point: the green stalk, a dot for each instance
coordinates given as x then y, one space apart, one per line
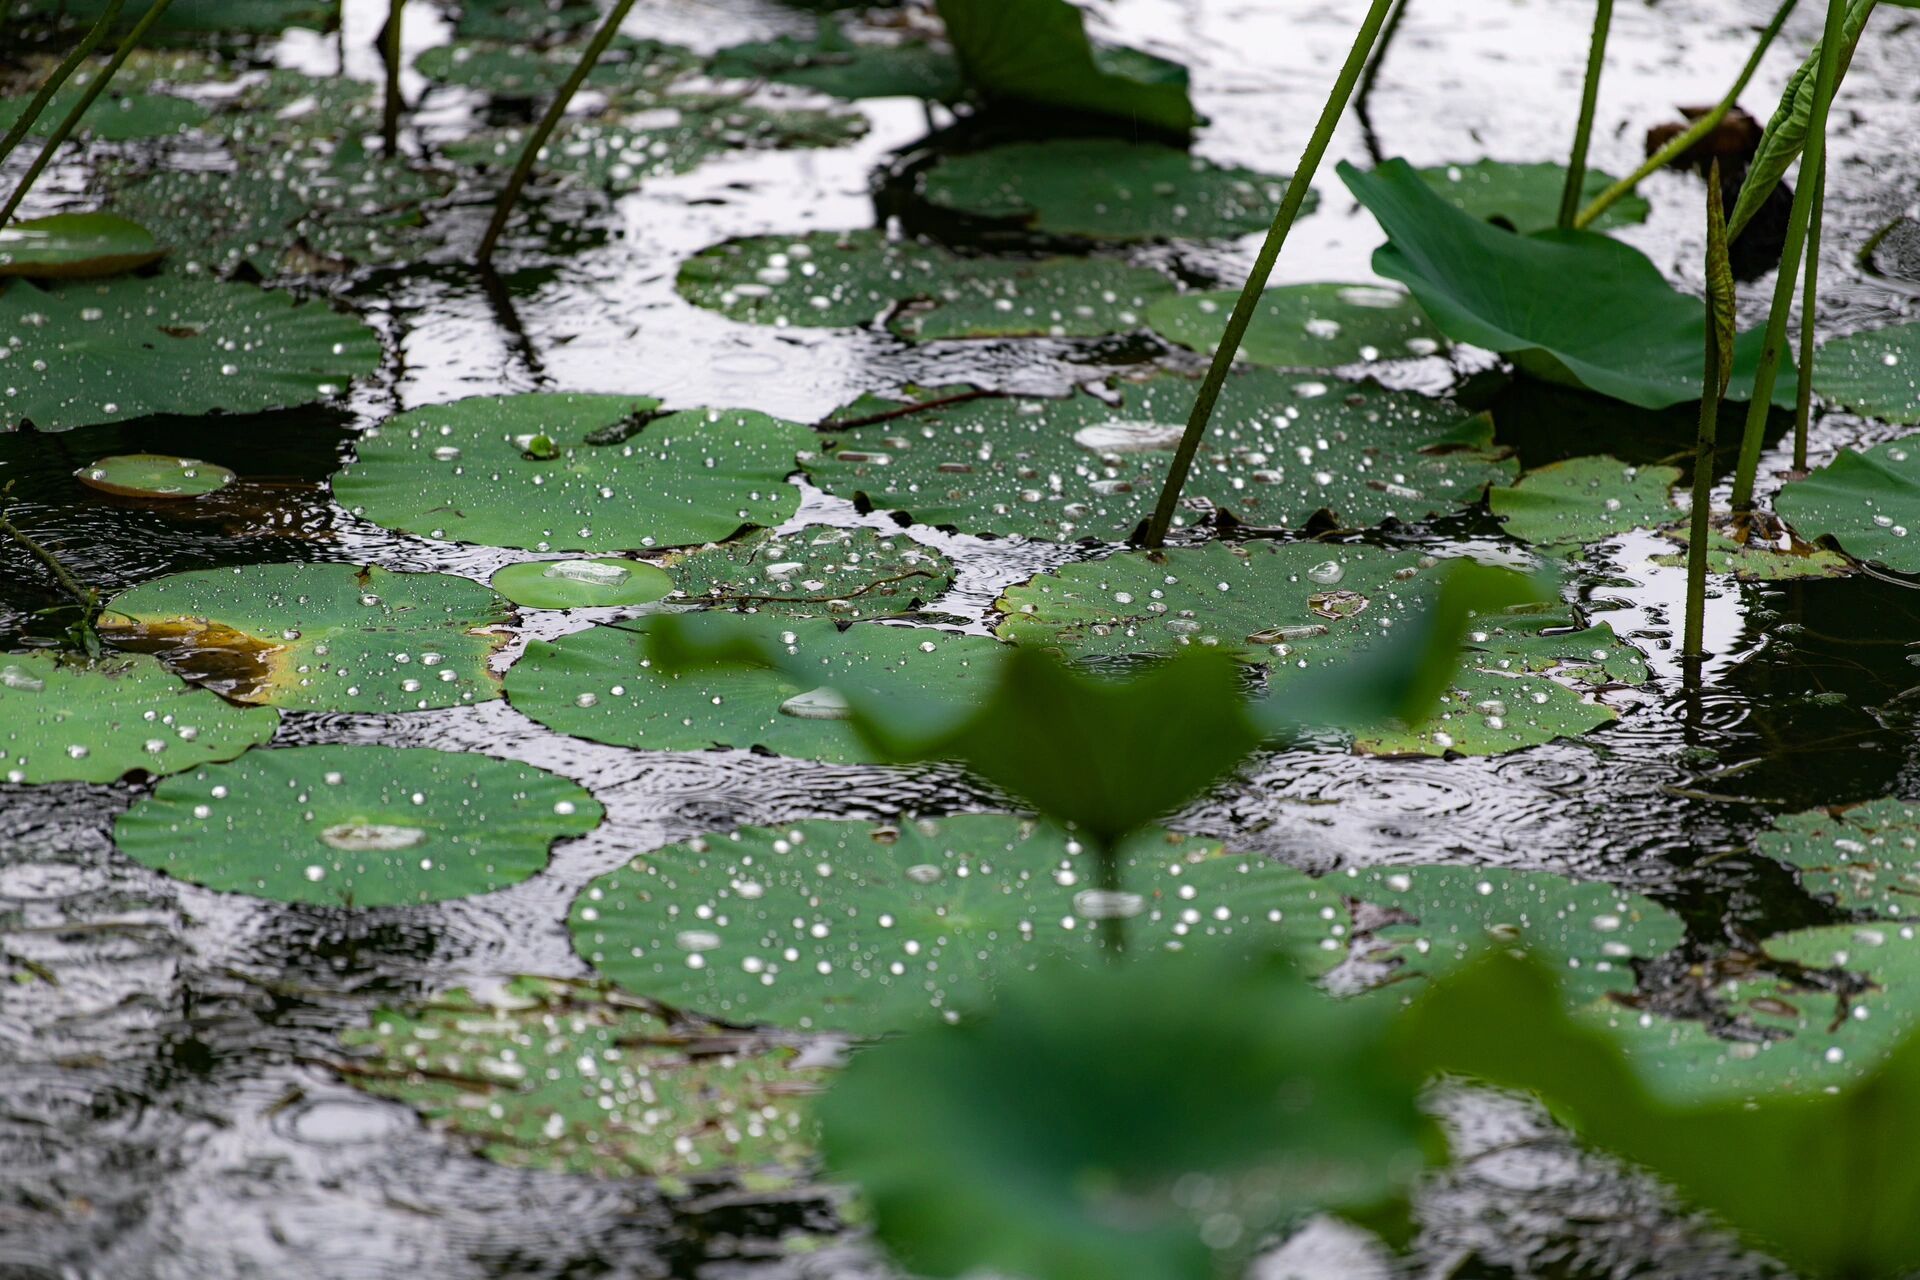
1113 928
1583 132
1809 312
1297 189
1719 368
72 119
390 113
556 110
61 73
1776 340
1699 129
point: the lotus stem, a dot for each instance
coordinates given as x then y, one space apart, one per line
1720 332
1583 132
72 118
1297 188
1809 313
1768 372
61 73
1699 129
556 110
1113 926
391 48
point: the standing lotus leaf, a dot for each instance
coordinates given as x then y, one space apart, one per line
355 826
1526 197
599 684
319 637
574 472
71 721
1876 373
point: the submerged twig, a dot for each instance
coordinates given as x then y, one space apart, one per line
71 120
1684 141
1297 188
523 168
44 94
1583 132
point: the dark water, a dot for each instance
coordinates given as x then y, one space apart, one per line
165 1109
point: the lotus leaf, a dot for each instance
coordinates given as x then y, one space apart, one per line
1304 326
1865 500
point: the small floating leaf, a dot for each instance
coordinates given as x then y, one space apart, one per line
832 64
1106 189
1526 197
576 1078
154 475
1866 500
859 278
1305 326
113 117
599 684
818 571
319 637
86 352
356 826
68 721
1875 373
76 245
581 584
627 68
461 472
1582 500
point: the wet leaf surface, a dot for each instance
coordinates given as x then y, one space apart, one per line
817 571
842 68
1875 373
154 476
1306 326
581 584
1567 505
1865 500
1526 197
75 245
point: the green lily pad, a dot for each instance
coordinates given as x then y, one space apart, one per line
308 210
550 472
814 572
627 68
514 20
600 684
319 637
113 117
76 245
836 279
577 1079
219 17
1279 453
97 721
1526 196
356 826
87 352
1304 326
1755 562
675 135
1300 606
1572 307
1582 500
1045 59
1865 500
581 584
1865 856
1106 189
834 65
1876 373
853 927
154 475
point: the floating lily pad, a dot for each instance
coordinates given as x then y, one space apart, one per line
307 210
1046 59
1572 307
832 64
574 472
1526 197
1865 500
68 721
356 826
1280 451
88 352
852 927
113 117
219 17
600 684
1299 606
581 584
860 278
1876 373
1304 326
675 135
511 20
627 68
1865 856
154 475
1106 189
319 637
76 245
1582 500
576 1078
814 572
1757 562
